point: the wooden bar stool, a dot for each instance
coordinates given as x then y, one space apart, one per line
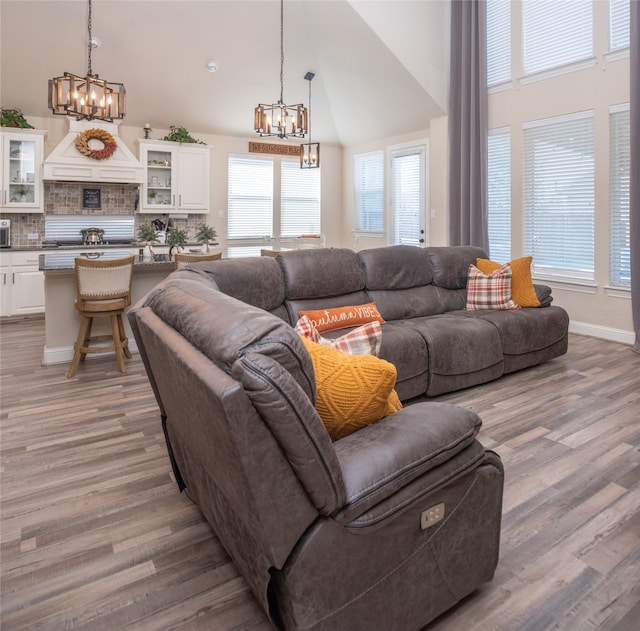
103 289
184 259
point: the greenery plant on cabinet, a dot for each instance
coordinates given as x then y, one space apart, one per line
13 118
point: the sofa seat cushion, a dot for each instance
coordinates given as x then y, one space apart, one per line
529 336
406 349
463 351
353 391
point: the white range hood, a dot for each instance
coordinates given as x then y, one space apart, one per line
66 164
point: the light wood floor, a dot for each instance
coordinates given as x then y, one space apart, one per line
96 536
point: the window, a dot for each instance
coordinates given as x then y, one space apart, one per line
369 191
300 200
619 24
256 218
499 194
498 41
408 172
250 203
619 183
558 196
556 33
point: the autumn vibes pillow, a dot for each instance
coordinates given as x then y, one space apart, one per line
352 391
489 291
342 317
522 290
363 340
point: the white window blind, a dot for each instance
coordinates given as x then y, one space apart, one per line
250 198
408 196
499 194
498 41
369 190
300 200
619 183
556 32
619 23
558 196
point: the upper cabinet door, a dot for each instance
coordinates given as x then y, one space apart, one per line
194 165
21 173
177 177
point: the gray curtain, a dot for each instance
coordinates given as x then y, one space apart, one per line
468 122
634 210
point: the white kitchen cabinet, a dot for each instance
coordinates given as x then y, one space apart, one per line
22 284
22 155
177 177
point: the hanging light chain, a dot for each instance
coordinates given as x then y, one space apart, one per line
281 51
90 42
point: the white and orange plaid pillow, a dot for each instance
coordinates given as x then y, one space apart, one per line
490 291
363 340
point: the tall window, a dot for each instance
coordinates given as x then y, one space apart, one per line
256 218
556 32
299 200
369 191
499 194
619 24
558 196
619 182
408 172
498 41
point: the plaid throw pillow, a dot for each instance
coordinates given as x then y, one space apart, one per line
363 340
489 291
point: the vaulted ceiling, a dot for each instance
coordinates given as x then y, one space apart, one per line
381 66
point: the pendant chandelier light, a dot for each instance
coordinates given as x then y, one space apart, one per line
87 97
278 119
309 151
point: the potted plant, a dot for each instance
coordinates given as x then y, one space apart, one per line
13 118
147 233
180 134
205 235
176 238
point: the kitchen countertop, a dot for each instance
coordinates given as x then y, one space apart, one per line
56 261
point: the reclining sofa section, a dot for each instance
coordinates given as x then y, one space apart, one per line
383 529
435 344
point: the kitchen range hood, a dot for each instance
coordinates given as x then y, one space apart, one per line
66 163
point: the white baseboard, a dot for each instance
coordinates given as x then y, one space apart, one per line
603 332
62 354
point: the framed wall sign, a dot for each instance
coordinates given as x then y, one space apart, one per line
91 198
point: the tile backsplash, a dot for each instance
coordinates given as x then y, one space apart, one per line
66 198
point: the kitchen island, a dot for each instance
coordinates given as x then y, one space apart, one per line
61 318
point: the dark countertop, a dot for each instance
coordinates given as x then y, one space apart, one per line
56 261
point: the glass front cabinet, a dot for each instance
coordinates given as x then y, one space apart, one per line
177 177
21 172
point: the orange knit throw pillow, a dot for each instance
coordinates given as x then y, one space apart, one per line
352 391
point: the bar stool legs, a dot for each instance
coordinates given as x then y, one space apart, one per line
119 342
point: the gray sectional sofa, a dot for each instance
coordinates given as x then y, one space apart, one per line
385 528
435 344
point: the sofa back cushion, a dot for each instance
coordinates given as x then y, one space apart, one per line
399 280
450 264
320 279
258 281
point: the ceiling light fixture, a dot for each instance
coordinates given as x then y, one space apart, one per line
309 151
279 119
87 97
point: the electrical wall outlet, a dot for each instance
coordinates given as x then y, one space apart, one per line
431 516
33 236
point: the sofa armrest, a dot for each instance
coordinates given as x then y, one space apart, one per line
380 460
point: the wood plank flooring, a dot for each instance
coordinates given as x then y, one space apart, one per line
94 534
